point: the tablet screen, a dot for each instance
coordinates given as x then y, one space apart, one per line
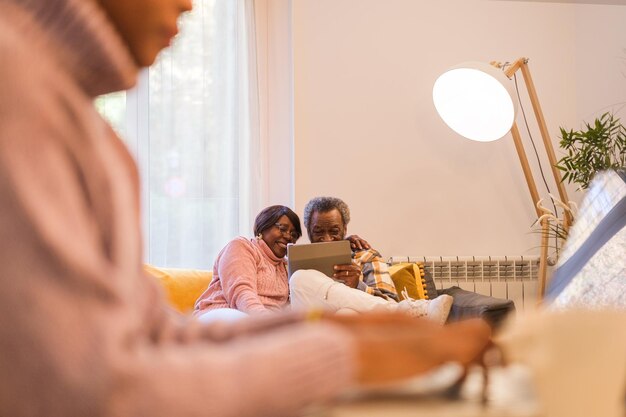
319 256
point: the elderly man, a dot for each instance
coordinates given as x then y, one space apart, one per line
361 286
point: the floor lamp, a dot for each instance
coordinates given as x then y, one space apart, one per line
478 101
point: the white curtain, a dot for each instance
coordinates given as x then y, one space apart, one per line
193 125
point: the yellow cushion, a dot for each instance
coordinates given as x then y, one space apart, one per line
408 276
182 286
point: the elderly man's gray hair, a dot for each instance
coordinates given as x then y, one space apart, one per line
324 205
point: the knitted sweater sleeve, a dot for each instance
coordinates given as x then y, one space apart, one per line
238 274
76 333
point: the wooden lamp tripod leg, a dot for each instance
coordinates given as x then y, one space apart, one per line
534 194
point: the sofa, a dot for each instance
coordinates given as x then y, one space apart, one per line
184 286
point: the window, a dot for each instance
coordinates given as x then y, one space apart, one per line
192 125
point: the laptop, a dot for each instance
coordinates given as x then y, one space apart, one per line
319 256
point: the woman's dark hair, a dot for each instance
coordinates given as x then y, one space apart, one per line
269 216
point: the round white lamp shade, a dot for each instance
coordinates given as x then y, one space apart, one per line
475 100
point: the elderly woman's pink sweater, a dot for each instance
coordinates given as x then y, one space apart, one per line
247 276
82 331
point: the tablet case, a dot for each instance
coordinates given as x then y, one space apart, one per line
319 256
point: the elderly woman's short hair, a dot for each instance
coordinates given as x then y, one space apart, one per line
268 217
324 205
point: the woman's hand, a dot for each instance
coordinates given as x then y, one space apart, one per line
349 274
410 346
358 243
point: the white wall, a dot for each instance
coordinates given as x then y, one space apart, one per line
366 130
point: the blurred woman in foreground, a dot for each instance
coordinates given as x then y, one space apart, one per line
82 331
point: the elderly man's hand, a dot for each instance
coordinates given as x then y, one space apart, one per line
358 243
349 274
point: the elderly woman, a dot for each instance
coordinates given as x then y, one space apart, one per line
249 275
365 284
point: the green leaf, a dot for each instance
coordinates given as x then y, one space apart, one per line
600 145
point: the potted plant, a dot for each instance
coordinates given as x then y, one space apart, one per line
600 146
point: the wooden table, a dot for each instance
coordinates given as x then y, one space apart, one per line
424 408
510 394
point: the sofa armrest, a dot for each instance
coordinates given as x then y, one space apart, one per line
182 286
468 304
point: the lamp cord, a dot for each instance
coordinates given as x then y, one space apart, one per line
543 177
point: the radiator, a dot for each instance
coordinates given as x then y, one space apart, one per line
510 277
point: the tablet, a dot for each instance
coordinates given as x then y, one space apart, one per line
320 256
